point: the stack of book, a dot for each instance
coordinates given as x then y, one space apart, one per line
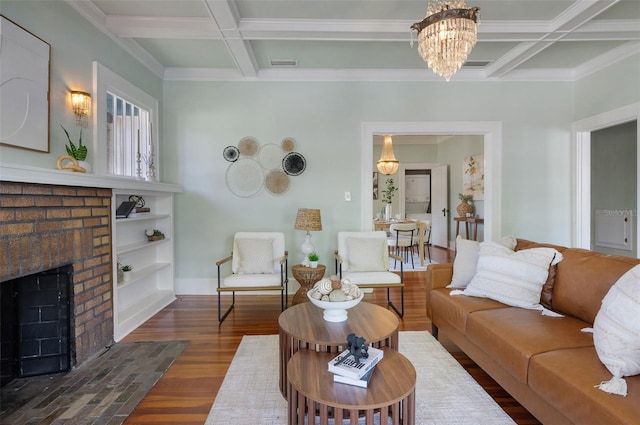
353 373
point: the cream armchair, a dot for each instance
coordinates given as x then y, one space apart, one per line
259 262
363 258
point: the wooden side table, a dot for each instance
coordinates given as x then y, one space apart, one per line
306 277
390 393
303 328
467 221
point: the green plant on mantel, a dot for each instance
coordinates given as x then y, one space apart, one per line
77 152
387 195
126 268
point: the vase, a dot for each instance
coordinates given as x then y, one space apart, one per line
126 276
464 208
387 212
313 264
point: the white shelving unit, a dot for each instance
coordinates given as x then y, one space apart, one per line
152 285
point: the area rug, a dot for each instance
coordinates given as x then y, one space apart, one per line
445 393
102 390
395 266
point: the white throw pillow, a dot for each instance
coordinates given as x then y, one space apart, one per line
256 256
616 331
466 261
367 255
514 278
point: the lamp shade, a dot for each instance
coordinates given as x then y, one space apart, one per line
308 219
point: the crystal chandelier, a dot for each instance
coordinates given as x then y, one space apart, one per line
388 164
446 35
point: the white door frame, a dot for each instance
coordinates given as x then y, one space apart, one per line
581 147
492 133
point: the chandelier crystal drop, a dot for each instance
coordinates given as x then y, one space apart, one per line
447 35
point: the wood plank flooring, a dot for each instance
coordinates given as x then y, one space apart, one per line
185 394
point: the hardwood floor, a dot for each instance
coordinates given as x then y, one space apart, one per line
185 393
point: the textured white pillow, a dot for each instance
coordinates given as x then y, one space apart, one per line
616 331
256 256
466 261
367 255
514 278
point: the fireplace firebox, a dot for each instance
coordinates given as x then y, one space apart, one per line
36 324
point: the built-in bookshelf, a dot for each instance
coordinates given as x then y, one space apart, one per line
151 286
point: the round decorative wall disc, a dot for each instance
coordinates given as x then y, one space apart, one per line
270 157
245 177
294 164
277 182
248 146
231 153
288 144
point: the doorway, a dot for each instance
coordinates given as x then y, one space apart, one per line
582 233
492 134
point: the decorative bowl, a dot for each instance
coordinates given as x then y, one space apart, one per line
335 311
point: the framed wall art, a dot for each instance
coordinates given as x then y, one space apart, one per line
24 88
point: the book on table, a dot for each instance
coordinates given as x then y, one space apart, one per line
352 369
362 382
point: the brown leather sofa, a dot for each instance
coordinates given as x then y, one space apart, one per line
546 363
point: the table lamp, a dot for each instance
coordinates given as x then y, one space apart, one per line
308 219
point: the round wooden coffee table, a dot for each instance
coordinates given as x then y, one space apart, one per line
311 391
303 328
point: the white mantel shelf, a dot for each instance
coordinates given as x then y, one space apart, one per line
27 174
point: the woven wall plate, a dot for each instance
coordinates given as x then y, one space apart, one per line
294 164
231 153
248 146
277 182
245 177
270 157
288 144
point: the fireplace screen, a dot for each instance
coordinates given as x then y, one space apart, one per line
36 324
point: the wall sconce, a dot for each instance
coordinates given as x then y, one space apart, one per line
81 105
388 164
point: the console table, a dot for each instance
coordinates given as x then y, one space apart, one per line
468 221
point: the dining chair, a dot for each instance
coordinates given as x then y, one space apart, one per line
404 236
259 262
425 226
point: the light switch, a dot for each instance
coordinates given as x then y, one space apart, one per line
347 196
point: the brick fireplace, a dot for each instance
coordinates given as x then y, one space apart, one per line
43 227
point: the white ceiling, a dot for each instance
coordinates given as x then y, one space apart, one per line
362 40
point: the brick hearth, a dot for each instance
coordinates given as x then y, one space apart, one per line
46 226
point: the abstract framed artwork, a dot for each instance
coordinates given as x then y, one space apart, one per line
24 88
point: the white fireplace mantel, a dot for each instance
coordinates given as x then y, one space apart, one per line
28 174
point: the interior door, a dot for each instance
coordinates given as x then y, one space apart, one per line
439 210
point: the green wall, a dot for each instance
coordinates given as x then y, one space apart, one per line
325 118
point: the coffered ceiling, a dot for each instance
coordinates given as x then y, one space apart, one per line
362 40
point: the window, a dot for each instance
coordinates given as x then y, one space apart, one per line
124 127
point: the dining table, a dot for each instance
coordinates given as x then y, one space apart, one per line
385 225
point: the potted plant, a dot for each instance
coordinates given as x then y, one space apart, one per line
387 196
79 153
313 259
464 207
126 272
154 235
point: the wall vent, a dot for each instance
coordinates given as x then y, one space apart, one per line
284 63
